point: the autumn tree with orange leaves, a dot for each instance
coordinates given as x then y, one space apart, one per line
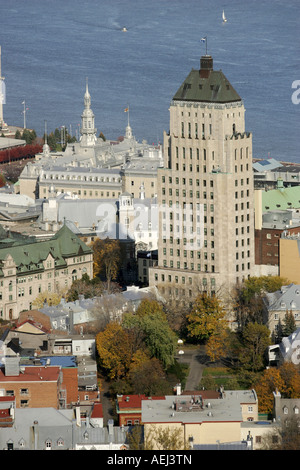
206 317
115 351
107 259
285 379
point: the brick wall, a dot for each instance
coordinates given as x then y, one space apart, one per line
32 395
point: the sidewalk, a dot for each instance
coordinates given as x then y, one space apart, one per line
197 360
107 405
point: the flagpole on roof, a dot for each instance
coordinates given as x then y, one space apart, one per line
126 110
204 39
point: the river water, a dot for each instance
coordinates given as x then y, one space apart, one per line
50 48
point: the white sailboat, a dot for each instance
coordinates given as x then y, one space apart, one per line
224 17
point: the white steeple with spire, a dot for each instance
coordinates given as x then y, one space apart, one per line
128 132
88 131
46 148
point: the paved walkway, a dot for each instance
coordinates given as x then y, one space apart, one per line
107 404
197 361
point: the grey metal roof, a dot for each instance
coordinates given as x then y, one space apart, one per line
183 408
266 165
51 424
288 297
89 435
33 427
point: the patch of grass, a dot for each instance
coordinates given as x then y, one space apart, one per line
216 371
214 377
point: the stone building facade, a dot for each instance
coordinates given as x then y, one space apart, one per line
29 267
206 223
94 167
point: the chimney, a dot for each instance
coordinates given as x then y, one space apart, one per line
35 434
206 66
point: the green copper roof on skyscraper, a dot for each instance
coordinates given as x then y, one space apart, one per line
207 85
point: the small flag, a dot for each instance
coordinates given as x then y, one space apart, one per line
203 39
126 110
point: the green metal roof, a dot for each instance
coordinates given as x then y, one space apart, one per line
283 198
213 89
29 255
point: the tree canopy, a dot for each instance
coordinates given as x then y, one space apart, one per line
107 259
206 316
152 324
285 379
115 351
255 339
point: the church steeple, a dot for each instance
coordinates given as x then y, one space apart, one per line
87 96
128 132
88 131
46 148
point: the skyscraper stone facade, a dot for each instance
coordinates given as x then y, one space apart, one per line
205 195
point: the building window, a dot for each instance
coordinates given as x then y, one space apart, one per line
60 442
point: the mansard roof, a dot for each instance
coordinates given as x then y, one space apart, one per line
29 254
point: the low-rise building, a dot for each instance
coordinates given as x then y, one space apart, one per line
51 429
285 409
289 256
202 421
32 386
278 304
274 226
267 172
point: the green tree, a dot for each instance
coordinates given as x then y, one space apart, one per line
29 136
289 324
149 379
207 314
159 339
255 340
248 297
148 307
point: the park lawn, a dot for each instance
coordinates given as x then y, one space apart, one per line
220 376
217 371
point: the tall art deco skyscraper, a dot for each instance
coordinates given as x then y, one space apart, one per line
205 195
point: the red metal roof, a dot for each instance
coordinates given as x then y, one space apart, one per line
33 374
135 401
97 411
